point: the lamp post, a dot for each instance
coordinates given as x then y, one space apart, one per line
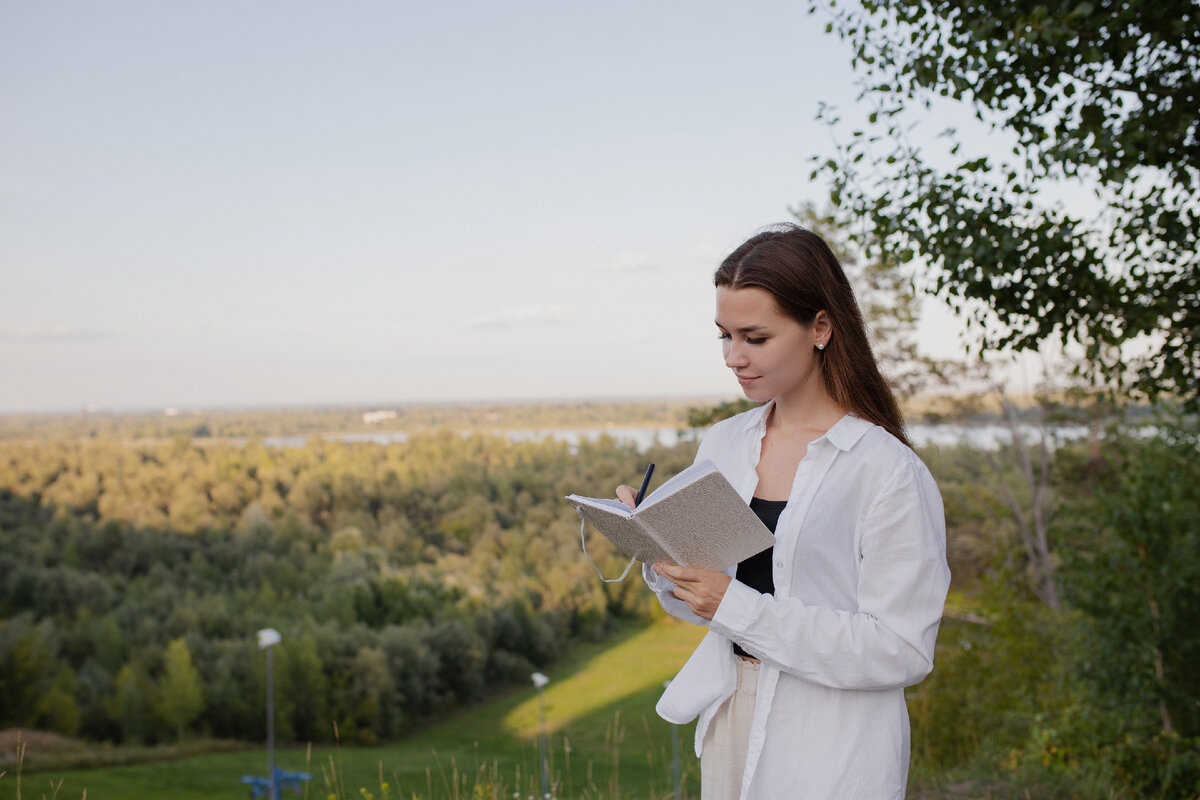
540 681
675 755
267 638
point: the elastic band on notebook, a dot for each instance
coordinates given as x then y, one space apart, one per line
583 541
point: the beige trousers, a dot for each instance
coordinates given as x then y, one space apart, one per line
727 739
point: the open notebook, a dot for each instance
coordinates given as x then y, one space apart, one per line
695 519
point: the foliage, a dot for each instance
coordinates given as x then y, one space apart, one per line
1070 695
407 579
1094 98
297 423
703 416
994 674
1139 585
182 691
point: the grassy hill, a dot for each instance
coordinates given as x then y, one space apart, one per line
605 741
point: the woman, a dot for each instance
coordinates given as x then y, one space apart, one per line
799 682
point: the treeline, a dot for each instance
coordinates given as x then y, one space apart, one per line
406 579
310 421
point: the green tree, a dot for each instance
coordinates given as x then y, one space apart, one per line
57 709
1140 582
302 693
133 699
25 660
1100 98
703 416
181 693
1139 585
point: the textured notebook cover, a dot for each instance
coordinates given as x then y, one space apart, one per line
702 524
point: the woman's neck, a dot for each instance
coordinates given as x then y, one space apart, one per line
813 409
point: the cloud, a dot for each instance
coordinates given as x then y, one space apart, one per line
55 334
629 262
523 317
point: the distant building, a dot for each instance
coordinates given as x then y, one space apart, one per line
375 417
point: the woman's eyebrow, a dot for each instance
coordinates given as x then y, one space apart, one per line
744 329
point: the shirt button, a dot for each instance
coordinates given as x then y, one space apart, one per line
779 564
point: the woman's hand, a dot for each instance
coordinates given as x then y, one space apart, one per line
700 589
627 494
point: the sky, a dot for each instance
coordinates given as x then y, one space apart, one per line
207 203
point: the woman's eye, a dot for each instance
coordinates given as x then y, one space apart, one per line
723 335
754 340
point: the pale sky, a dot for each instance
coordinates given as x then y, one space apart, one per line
212 203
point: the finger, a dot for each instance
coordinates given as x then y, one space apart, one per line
684 594
695 603
627 495
668 570
681 574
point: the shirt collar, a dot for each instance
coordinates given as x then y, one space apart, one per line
846 432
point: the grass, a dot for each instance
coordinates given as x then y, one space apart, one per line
605 742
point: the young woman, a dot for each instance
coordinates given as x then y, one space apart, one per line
799 683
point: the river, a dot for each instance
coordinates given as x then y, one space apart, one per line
986 436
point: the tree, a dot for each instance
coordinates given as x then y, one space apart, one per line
703 416
302 696
1139 585
26 658
1140 581
133 697
181 692
1026 495
1099 96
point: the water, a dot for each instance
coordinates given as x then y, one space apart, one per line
641 438
989 436
985 436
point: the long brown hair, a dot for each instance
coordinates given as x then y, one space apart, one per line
799 270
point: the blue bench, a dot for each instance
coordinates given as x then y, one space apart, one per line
259 787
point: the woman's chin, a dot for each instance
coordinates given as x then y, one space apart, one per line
754 395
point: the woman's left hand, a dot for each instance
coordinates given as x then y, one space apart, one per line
700 589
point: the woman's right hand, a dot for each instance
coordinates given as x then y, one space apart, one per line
627 495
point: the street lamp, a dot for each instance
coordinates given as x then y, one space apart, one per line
267 638
540 681
675 755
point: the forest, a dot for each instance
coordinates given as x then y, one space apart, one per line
414 577
405 579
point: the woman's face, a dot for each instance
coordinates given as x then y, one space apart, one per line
770 353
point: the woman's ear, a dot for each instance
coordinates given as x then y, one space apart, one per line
822 328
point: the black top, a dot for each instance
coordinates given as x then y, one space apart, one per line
755 571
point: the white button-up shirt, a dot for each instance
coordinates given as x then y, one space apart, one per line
860 581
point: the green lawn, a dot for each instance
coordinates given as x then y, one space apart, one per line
605 741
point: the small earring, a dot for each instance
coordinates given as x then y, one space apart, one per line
821 346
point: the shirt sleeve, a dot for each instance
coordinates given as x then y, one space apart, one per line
888 642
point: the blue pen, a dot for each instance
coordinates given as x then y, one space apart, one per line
637 501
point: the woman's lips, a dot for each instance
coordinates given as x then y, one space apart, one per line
745 380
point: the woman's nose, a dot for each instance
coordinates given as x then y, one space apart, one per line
734 356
